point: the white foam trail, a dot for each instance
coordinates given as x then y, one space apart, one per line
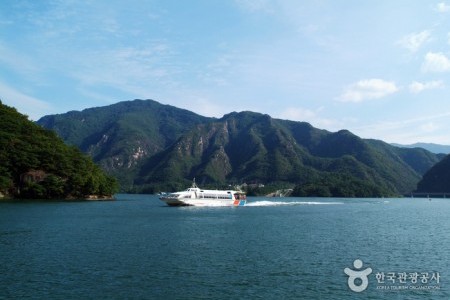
279 203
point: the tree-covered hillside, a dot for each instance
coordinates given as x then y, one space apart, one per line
35 163
437 179
254 148
120 137
154 147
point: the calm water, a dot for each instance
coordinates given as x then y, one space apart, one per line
284 248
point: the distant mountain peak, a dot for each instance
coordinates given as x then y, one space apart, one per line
434 148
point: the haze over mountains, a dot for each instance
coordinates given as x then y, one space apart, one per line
152 147
435 148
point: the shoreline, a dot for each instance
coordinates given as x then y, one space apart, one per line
90 198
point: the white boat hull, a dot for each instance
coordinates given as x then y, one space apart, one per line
194 196
202 202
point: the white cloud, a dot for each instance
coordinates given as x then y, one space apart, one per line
414 41
443 7
255 5
368 89
436 62
306 115
200 101
428 127
296 113
425 128
19 62
417 87
132 70
30 106
204 105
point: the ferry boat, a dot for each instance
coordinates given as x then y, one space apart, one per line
194 196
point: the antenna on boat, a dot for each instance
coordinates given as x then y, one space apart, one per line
193 184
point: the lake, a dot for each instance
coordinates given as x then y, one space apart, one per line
273 248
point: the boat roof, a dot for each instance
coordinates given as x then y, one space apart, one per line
195 188
211 191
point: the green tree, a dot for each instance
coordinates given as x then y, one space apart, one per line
36 164
54 186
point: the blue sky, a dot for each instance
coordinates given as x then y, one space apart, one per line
379 68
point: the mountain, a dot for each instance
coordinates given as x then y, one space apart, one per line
156 147
437 179
251 147
435 148
35 163
121 136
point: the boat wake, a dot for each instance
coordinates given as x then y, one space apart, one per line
284 203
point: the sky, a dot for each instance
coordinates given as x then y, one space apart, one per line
379 68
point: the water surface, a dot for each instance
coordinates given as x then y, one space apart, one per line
273 248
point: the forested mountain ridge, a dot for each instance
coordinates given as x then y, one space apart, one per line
251 147
437 179
158 147
35 163
121 136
